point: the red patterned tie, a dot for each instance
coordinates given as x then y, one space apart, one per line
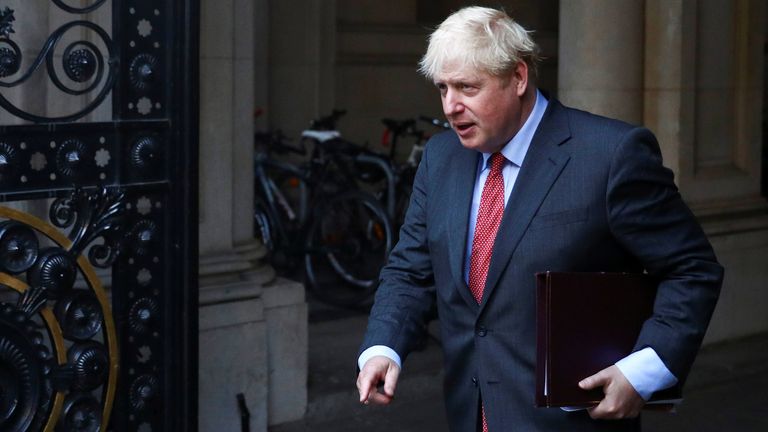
488 220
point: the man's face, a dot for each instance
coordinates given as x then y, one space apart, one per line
484 110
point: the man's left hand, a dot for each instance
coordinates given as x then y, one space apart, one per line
620 401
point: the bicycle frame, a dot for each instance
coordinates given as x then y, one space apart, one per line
276 201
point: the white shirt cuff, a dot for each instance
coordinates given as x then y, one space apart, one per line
378 350
646 372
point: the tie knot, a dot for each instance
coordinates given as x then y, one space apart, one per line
497 162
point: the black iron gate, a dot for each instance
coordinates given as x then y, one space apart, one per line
98 181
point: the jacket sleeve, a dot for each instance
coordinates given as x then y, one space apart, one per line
405 294
648 217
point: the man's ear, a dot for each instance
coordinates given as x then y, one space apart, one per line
520 74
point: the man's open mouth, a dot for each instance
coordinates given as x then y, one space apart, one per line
463 127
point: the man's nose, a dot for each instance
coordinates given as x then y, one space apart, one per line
452 103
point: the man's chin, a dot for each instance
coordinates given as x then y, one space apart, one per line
470 142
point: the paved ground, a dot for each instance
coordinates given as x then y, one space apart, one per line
726 391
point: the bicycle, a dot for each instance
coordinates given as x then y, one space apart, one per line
405 172
343 236
381 174
360 167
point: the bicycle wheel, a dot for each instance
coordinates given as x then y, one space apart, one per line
346 246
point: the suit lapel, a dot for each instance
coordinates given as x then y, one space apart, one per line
465 167
542 165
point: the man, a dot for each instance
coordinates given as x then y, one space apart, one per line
522 185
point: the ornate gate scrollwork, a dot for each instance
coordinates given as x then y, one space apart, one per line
58 344
83 62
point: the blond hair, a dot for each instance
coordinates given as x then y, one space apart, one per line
482 39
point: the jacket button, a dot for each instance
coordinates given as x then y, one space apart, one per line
474 381
481 331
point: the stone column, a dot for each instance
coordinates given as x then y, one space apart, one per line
703 99
601 57
261 26
253 326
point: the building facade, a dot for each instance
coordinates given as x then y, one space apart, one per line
692 71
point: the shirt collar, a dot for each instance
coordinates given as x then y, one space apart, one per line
515 150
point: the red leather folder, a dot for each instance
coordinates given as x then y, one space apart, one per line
585 323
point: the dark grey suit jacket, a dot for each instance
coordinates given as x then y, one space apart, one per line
591 195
